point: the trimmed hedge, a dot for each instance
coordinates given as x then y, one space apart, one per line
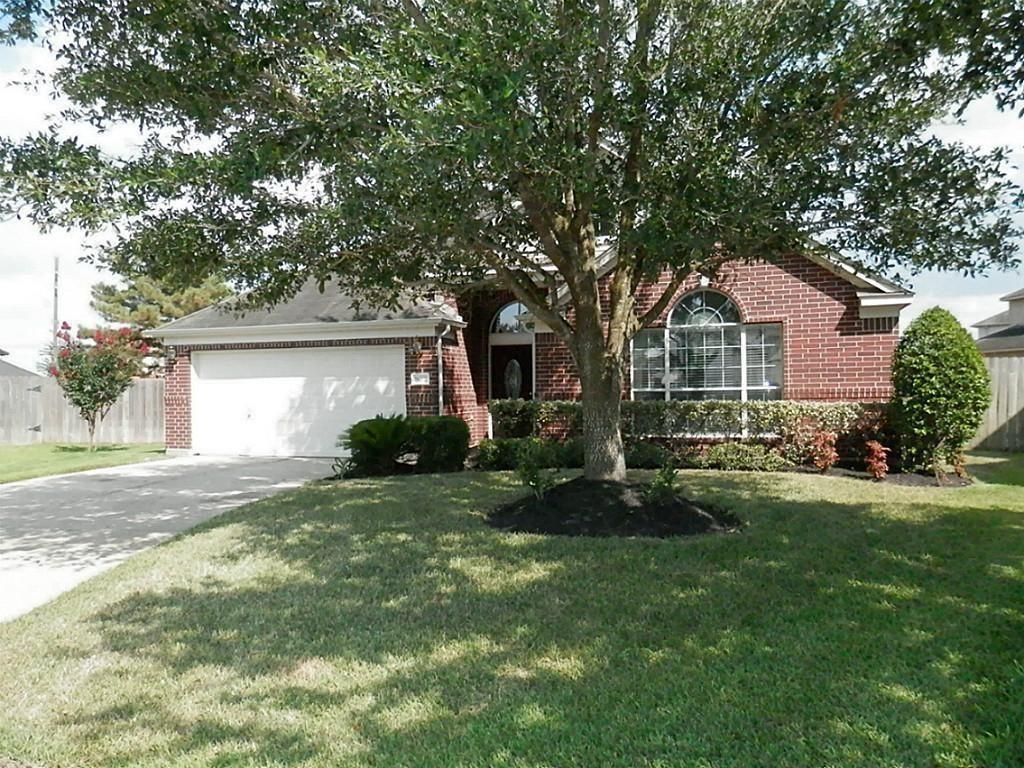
747 457
852 422
940 390
375 445
441 443
505 453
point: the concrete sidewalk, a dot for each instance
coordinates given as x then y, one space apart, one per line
56 532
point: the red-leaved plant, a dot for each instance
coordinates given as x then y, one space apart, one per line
823 450
876 459
95 371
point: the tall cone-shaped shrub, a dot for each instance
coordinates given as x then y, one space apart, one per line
940 390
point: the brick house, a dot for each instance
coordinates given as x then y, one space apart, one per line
289 380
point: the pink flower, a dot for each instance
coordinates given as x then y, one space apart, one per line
65 352
65 326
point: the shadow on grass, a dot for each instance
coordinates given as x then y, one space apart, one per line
383 623
997 468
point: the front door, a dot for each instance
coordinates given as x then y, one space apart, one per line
512 371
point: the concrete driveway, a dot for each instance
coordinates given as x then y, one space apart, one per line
56 532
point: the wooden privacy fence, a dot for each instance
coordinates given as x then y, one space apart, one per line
33 410
1002 429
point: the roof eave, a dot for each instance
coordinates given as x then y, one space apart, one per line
350 329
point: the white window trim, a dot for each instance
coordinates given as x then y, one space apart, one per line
744 388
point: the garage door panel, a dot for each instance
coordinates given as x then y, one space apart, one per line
291 402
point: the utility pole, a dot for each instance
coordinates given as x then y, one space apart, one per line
56 298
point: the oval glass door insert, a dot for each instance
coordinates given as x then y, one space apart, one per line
513 379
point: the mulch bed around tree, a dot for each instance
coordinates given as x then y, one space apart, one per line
596 508
913 479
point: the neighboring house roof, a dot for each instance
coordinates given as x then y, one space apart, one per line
309 309
7 369
1003 318
1014 296
1008 340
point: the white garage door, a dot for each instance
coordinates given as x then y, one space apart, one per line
290 402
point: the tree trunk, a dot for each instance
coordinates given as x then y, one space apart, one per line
92 435
604 456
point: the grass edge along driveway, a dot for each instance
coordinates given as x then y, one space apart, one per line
381 623
24 462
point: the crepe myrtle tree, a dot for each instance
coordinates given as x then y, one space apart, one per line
424 145
95 368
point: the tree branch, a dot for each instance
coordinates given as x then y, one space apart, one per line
416 14
655 310
536 301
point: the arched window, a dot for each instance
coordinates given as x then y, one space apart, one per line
706 352
512 318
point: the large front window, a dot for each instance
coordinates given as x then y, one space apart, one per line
705 352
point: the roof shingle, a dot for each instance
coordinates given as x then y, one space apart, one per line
309 305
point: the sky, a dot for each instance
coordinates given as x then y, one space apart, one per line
27 255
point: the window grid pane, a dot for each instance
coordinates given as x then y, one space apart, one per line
706 348
649 360
764 357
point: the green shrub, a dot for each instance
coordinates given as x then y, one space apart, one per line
530 418
514 418
503 452
664 486
499 453
569 453
647 455
533 470
940 390
374 445
441 443
750 457
853 423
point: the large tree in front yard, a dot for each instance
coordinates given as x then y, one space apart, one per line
389 144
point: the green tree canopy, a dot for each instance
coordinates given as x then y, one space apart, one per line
430 144
145 302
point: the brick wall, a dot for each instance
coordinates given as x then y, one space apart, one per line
419 400
178 400
461 395
829 353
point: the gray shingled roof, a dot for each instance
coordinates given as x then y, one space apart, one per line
1014 296
309 305
1003 341
6 369
1003 318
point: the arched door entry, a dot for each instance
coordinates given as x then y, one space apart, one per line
511 353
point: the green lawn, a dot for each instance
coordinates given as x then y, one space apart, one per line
381 623
20 462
